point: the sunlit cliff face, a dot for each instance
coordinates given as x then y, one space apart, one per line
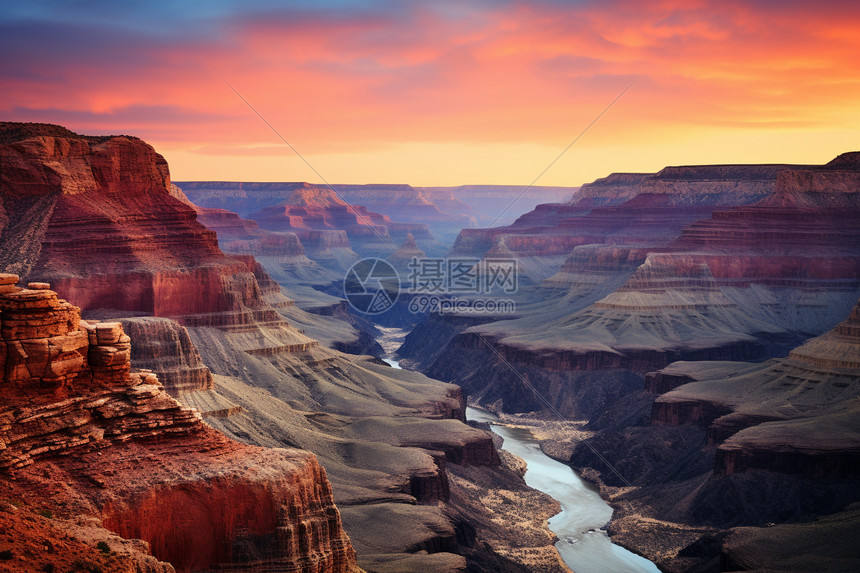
443 93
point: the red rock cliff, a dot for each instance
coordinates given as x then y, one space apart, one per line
89 213
82 433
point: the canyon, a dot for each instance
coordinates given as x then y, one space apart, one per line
445 210
99 219
643 290
686 340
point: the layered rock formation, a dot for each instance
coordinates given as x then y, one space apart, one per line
386 437
701 263
444 214
795 415
403 256
58 369
805 231
324 221
628 209
311 208
687 185
647 280
80 429
165 348
669 309
739 444
88 213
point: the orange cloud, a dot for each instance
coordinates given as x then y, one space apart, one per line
346 88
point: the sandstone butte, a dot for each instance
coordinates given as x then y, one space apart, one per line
100 449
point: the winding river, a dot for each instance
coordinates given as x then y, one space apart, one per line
583 546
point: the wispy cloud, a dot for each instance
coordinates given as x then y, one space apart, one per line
341 75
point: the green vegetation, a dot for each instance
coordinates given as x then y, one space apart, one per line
103 547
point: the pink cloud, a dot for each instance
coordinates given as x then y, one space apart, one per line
534 72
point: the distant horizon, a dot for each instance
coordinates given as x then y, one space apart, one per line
335 184
442 94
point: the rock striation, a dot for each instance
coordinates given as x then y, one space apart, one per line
627 209
68 384
386 437
72 215
317 208
806 231
691 263
731 444
403 256
793 415
669 309
79 428
238 235
444 214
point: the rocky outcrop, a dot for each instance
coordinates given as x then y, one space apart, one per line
767 259
691 263
629 209
737 444
68 384
588 267
411 205
806 231
164 347
78 428
669 309
790 415
311 207
443 213
660 382
688 185
238 235
116 220
292 393
405 254
272 509
73 217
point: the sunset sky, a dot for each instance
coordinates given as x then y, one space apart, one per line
441 93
